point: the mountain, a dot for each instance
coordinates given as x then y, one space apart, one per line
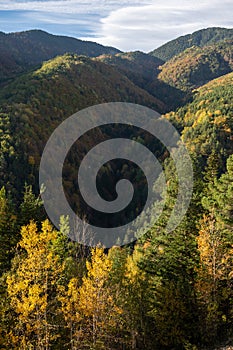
23 50
199 38
196 66
173 81
37 102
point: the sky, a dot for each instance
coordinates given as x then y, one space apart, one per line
126 24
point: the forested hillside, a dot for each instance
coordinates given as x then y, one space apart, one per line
166 291
34 105
196 66
207 122
24 50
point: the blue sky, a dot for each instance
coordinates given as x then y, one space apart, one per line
126 24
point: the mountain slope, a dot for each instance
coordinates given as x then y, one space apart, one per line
196 66
199 38
20 51
37 102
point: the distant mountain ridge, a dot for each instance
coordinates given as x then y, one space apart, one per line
199 38
22 50
170 83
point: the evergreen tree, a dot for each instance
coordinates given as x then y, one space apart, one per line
170 260
8 231
31 207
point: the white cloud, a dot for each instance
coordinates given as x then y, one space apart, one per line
150 26
69 6
63 19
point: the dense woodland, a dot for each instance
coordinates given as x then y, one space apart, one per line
165 291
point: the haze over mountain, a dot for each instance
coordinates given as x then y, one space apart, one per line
35 97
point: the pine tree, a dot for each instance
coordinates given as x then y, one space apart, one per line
170 259
31 208
8 231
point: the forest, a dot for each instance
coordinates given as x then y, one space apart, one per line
165 291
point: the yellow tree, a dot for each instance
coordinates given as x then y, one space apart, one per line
211 250
214 270
69 299
135 304
31 286
98 310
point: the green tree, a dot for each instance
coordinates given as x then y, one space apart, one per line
8 231
170 259
31 207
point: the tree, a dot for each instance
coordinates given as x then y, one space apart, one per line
97 306
69 299
210 274
32 285
215 244
8 231
31 207
170 260
135 301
